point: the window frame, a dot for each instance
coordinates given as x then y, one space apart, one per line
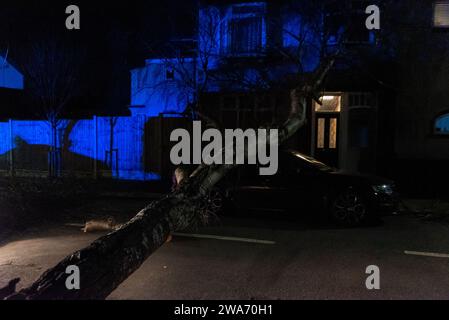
433 131
347 10
435 27
237 25
169 74
236 17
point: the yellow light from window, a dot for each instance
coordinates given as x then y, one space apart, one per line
441 14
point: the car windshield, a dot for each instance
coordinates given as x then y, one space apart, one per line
312 162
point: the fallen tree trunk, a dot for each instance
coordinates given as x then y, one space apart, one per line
109 260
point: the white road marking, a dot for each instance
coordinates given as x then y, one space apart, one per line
209 236
427 254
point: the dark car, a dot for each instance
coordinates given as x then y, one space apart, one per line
304 185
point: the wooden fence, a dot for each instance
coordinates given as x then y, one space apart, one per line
129 148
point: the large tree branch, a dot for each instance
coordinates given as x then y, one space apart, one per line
109 260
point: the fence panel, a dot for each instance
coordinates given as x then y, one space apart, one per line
129 148
31 140
120 147
158 144
5 146
77 143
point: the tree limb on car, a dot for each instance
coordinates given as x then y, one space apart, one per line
111 259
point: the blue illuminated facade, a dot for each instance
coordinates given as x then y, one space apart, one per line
225 35
442 124
159 87
10 77
165 85
240 47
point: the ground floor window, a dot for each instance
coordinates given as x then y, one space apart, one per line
441 14
329 104
247 110
441 125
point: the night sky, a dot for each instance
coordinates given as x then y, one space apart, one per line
114 38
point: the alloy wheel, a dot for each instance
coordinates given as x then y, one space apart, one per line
349 209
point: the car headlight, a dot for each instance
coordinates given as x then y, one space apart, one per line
383 188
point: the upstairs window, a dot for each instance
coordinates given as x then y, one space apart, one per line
246 35
357 31
246 29
441 14
351 15
169 74
441 125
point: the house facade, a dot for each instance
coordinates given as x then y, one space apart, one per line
247 56
10 77
421 135
382 107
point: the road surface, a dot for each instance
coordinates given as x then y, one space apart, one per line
295 261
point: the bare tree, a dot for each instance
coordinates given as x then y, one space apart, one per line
108 261
189 60
51 69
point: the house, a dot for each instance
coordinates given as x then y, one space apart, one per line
10 77
12 99
382 109
247 56
157 88
89 140
421 137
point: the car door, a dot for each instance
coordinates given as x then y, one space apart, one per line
305 186
259 193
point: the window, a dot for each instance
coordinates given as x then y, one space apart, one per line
246 29
265 109
320 133
441 14
229 111
361 127
246 110
360 100
441 125
338 15
333 133
329 104
246 35
169 74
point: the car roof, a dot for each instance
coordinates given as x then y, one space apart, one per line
307 158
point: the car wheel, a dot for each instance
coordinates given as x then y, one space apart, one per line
349 209
215 201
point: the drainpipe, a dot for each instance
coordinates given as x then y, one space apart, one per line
11 150
95 147
144 147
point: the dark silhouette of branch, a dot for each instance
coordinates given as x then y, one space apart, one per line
109 260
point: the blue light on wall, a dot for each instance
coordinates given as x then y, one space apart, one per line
115 143
442 124
301 40
9 76
162 86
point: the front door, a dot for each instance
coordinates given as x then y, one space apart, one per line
326 137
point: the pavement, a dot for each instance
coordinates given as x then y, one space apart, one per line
294 261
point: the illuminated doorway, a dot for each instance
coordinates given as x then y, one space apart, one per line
327 118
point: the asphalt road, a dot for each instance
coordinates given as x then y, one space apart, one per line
304 262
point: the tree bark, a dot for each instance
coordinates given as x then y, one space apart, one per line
108 261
